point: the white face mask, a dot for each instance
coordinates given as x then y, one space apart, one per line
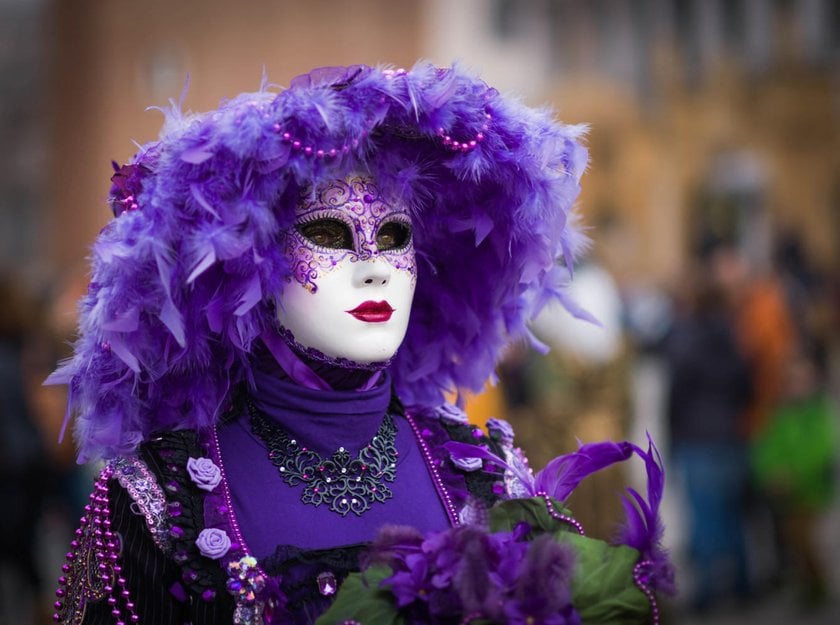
353 273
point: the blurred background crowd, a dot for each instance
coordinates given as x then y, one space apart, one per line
713 199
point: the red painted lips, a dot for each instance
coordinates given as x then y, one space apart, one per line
372 312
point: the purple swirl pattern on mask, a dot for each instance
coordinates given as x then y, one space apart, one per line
360 204
307 262
213 543
204 473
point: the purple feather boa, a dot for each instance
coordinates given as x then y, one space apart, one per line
185 277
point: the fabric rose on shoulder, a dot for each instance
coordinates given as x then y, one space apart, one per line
450 413
500 431
204 473
213 543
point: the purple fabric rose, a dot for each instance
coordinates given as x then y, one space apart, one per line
213 543
450 413
468 464
500 430
204 473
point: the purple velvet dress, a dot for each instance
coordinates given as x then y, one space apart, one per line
270 512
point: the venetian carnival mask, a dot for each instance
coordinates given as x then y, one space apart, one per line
353 272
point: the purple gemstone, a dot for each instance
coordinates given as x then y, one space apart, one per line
326 584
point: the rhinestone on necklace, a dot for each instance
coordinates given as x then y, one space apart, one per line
344 483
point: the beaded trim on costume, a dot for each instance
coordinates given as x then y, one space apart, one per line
92 571
140 483
169 454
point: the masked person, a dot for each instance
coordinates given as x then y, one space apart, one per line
290 286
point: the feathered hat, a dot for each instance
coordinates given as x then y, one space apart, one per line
185 275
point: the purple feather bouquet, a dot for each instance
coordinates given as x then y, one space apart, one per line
531 565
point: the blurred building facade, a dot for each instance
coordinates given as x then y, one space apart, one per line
723 113
718 114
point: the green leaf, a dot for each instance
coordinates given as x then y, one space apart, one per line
361 599
505 516
603 589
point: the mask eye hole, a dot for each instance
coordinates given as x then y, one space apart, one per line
332 234
393 235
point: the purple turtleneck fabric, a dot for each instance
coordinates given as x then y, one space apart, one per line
269 511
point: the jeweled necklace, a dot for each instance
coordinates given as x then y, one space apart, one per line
345 484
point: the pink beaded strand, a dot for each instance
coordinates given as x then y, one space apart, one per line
468 145
470 617
641 578
560 517
94 532
438 482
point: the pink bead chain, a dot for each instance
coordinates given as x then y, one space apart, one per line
441 489
469 145
299 145
76 585
309 150
641 577
560 517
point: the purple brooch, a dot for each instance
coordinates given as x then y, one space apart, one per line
213 543
245 582
204 473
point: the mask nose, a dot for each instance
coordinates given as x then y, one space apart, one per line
372 272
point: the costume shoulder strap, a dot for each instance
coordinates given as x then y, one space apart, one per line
173 457
147 497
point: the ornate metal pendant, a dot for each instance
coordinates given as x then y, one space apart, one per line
344 483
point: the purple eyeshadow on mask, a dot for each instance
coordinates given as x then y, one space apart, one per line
357 202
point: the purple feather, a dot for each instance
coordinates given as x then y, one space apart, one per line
562 475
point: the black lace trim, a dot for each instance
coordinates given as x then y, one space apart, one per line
166 455
299 570
482 485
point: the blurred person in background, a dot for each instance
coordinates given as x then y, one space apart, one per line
764 329
794 450
24 466
709 389
794 462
